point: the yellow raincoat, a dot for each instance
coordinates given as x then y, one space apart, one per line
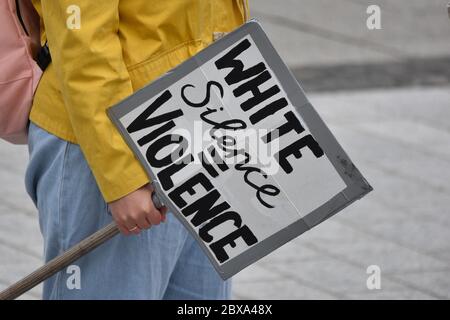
104 50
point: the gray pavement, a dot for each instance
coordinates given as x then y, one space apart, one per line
329 32
398 135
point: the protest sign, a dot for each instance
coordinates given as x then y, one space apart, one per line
236 151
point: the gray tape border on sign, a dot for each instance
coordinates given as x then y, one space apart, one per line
356 185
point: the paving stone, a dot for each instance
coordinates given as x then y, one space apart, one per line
19 231
330 32
371 250
438 281
390 295
16 265
278 290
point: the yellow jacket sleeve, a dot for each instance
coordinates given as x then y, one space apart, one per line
87 57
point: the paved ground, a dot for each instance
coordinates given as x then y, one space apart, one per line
397 136
329 32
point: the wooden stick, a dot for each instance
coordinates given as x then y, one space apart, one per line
60 262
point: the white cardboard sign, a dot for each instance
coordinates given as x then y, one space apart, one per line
236 151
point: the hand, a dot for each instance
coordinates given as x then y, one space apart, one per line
136 211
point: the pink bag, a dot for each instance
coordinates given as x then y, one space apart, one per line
20 74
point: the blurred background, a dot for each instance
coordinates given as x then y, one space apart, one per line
385 94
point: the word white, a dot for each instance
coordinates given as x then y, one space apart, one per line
374 280
73 21
374 20
74 280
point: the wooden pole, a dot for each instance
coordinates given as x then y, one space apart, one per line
60 262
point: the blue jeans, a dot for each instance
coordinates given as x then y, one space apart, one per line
163 262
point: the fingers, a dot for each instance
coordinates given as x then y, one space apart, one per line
136 226
136 211
132 228
136 223
143 223
123 229
153 216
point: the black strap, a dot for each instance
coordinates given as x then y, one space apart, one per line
19 15
44 58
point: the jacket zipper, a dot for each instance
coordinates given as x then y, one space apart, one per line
20 18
